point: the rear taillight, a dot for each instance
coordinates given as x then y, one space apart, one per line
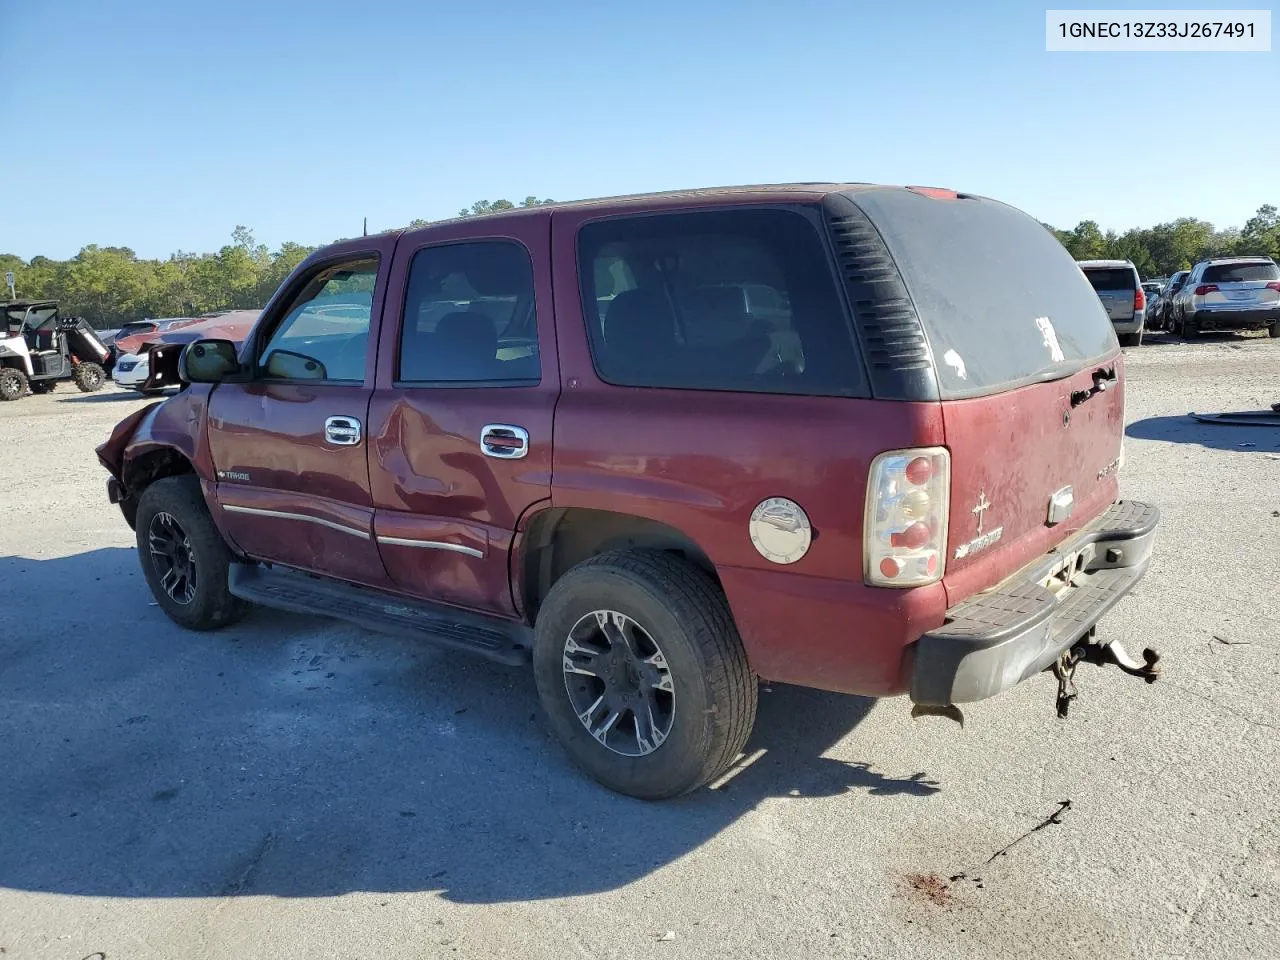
904 534
1205 288
1139 299
1274 285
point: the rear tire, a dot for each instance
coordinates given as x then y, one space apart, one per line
659 634
1273 331
1190 331
89 377
13 384
183 557
1131 339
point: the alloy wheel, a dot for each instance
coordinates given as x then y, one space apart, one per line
173 558
619 683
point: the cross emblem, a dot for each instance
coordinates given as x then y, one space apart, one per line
981 509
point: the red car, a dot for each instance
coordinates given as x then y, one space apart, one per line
854 437
131 337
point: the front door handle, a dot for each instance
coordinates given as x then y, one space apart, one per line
342 431
504 441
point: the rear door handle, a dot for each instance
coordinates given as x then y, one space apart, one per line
504 441
342 431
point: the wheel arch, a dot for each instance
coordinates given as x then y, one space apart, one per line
556 539
144 468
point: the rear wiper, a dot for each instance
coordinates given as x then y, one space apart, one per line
1103 377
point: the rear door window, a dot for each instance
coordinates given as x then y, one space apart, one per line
738 300
1107 279
1002 301
1240 272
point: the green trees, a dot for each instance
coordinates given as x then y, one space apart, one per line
1167 247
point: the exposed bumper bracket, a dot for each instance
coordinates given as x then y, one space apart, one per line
1037 619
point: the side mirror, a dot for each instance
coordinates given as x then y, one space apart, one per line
208 361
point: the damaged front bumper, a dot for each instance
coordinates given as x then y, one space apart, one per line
997 639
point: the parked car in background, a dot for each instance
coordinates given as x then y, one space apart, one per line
1229 293
1152 289
130 337
153 367
886 472
1162 315
1120 289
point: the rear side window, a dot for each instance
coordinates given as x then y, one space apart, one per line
469 316
1111 278
1002 301
739 300
1240 272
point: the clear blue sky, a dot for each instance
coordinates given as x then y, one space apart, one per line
162 125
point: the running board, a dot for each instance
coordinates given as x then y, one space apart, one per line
284 589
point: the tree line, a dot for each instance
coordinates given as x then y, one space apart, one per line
1164 249
111 285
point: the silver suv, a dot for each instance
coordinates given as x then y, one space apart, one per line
1229 293
1120 289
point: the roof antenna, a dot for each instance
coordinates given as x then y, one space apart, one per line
366 226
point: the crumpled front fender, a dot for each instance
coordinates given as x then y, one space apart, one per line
172 427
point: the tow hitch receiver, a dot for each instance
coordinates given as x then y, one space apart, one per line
1100 654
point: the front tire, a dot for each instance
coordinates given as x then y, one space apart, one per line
88 377
13 384
642 673
1273 331
183 557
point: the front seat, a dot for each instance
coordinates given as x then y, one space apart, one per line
464 347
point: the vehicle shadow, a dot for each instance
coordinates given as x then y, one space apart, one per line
1212 436
296 757
1167 338
106 397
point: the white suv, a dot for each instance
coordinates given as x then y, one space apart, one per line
1229 293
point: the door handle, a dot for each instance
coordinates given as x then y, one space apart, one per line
504 441
342 431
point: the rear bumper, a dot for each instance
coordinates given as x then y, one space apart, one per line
1130 326
1227 319
998 639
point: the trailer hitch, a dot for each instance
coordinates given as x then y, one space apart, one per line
1100 654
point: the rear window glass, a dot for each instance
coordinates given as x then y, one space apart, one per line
1240 272
1110 278
738 300
1002 301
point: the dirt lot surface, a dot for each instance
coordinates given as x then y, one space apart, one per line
294 788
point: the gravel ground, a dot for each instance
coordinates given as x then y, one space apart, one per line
295 788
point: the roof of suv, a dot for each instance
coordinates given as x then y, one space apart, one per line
807 191
1105 263
1238 260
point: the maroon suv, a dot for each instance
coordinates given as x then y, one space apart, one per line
853 437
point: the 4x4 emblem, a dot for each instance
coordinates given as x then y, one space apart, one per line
981 508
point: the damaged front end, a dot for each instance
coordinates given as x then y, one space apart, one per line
113 455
